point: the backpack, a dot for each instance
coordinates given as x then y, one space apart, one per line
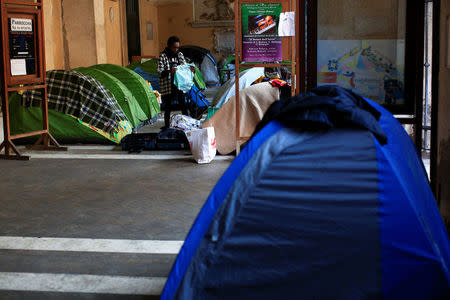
196 103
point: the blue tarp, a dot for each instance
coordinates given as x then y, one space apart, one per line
332 204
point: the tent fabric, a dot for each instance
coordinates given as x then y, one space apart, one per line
140 89
228 63
147 65
150 66
400 171
206 62
326 213
64 128
228 90
153 79
123 96
80 96
325 107
254 101
208 68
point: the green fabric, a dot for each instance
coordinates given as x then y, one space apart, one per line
211 112
124 97
198 79
139 88
23 120
83 97
134 65
149 66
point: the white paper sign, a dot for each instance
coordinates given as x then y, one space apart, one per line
18 67
21 25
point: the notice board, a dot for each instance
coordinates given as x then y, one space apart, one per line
23 52
260 40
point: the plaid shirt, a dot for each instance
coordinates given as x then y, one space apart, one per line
81 96
164 63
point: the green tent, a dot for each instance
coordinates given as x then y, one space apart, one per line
62 127
81 109
147 65
139 88
124 97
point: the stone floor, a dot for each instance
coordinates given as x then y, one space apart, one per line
79 227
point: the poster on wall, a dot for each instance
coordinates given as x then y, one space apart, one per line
372 68
22 46
260 40
213 12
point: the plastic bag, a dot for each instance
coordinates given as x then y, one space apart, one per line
184 123
203 144
287 24
184 78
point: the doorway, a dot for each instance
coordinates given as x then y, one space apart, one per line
133 28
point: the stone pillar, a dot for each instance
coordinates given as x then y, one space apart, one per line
90 28
443 107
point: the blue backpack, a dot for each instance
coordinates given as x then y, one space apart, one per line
196 103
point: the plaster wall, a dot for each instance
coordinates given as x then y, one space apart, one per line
443 161
175 19
80 46
54 58
148 13
362 19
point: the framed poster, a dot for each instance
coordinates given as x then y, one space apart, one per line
22 51
260 40
213 13
372 68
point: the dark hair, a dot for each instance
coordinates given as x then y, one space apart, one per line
173 39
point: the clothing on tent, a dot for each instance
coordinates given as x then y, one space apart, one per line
83 97
278 82
64 128
168 60
325 107
254 101
184 77
286 26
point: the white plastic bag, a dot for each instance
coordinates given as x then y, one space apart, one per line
287 24
184 78
184 123
203 144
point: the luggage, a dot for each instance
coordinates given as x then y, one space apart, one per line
167 139
136 142
172 139
196 103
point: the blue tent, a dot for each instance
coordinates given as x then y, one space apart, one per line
329 200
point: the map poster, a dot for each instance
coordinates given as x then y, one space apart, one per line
260 40
372 68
